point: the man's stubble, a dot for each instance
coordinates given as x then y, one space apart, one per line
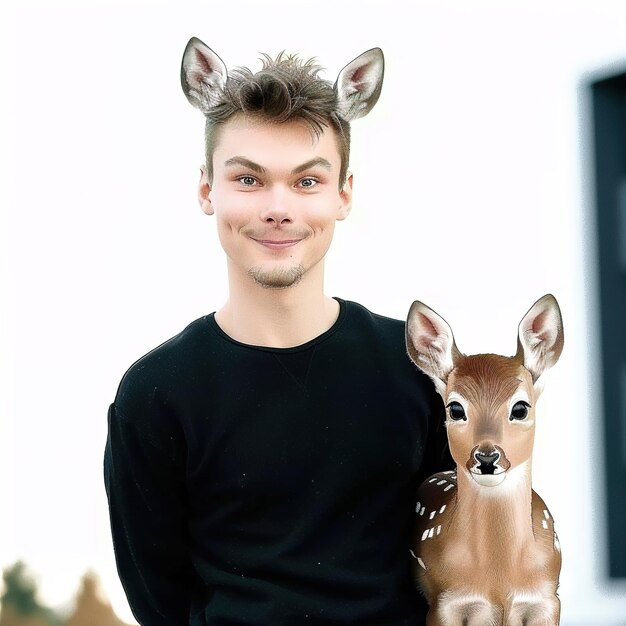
280 278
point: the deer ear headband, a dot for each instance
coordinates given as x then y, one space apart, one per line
203 76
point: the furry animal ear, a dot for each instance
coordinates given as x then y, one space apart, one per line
202 75
359 84
430 344
540 336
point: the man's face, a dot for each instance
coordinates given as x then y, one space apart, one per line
275 193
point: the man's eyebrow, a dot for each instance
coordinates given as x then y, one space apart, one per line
312 163
239 160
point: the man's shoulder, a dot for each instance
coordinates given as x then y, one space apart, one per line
378 344
374 334
374 322
169 362
182 345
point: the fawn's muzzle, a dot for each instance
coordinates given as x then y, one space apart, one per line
487 461
488 464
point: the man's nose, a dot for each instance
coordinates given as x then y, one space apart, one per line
277 209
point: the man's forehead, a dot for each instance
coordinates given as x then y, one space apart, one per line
292 144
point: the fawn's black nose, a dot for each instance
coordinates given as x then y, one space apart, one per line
487 461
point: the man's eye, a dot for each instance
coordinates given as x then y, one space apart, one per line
248 181
307 183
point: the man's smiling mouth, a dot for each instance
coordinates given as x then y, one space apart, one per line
278 244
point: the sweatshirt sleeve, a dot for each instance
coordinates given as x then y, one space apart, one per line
144 481
436 456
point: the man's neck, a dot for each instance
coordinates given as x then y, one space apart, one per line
278 318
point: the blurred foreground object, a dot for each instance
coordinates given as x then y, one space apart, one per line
19 601
91 607
19 605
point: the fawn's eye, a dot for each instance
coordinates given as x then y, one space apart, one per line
519 411
456 411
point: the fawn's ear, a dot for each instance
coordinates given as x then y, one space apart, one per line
359 84
202 75
540 336
430 344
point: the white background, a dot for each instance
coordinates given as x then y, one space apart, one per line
472 193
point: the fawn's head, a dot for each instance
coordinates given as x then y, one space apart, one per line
490 399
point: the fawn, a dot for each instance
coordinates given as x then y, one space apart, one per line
485 550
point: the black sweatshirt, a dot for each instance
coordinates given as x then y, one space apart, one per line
271 486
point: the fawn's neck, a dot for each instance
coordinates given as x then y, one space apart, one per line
500 515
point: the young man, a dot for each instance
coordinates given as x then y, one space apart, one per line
261 465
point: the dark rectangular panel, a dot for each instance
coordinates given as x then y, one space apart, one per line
609 121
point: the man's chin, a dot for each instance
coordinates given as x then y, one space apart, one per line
277 278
